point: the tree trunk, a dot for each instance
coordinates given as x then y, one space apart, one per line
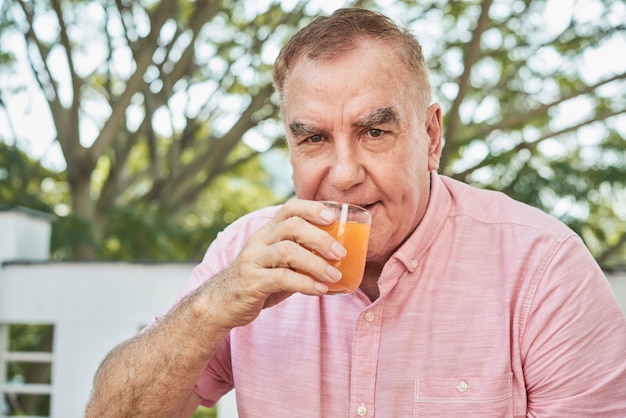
84 207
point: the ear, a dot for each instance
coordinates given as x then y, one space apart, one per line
434 129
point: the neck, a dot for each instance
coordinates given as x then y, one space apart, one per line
369 285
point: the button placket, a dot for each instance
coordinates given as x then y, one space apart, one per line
366 343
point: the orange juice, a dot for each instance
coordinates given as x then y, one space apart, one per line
354 237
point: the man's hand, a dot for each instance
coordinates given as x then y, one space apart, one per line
287 255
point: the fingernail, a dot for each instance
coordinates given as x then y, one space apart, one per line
338 250
327 215
321 288
333 273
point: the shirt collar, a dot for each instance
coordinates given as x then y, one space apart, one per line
439 203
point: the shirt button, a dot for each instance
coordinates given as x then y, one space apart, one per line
361 410
369 317
413 263
462 387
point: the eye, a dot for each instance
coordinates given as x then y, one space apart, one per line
314 139
375 133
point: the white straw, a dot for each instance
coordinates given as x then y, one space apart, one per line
343 217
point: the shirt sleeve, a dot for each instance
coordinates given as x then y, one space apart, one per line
574 341
217 378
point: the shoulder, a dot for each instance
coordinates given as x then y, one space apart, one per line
238 232
232 238
252 221
498 209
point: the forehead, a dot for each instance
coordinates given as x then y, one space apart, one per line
364 54
367 78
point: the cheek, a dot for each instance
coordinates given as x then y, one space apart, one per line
305 177
403 170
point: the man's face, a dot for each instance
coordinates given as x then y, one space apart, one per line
357 133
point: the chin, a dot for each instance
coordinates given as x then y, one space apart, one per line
378 257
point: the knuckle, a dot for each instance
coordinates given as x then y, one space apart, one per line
283 275
290 204
282 250
284 279
293 222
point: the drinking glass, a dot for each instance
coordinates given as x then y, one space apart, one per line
351 229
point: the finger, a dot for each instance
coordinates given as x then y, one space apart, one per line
256 282
310 210
309 236
290 255
285 281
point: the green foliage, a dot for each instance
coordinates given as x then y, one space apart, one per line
196 69
139 196
203 412
150 232
523 113
21 180
183 118
134 232
69 232
29 338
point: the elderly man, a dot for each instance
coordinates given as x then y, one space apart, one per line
471 304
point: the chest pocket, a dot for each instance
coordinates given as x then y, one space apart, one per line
484 397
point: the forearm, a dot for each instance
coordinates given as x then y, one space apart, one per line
154 373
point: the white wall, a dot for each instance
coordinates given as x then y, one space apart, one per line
617 279
93 307
24 235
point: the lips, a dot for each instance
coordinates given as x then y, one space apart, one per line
370 206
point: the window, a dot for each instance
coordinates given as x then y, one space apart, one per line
25 369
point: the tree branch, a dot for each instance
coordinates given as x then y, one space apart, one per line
204 12
472 53
519 118
116 184
134 84
47 86
194 192
490 159
219 149
76 80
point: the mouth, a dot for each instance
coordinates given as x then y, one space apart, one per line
367 206
370 206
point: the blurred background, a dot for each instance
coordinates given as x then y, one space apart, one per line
145 127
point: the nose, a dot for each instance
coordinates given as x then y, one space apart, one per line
347 169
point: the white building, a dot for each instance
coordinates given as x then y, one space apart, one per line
91 307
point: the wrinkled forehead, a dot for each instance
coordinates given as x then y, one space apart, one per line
374 53
327 53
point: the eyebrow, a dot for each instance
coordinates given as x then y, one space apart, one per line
379 116
299 129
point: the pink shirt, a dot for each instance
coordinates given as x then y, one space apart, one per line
490 309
